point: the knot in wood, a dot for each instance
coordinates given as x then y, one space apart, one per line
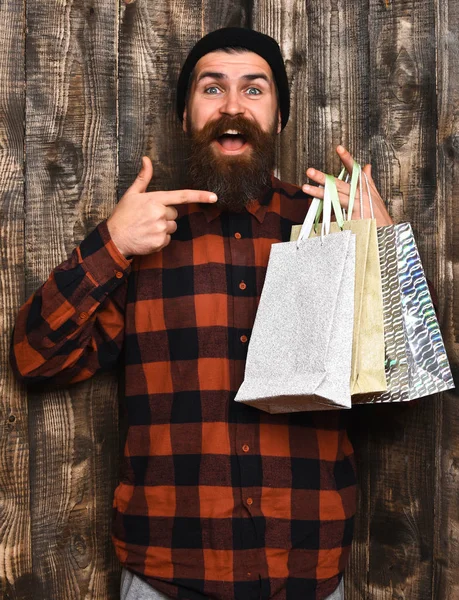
79 544
452 145
80 551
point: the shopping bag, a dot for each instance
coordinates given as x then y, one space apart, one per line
428 365
368 354
299 355
395 343
396 358
423 369
428 370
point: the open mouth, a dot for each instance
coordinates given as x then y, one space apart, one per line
232 141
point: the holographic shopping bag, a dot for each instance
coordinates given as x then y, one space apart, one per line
428 367
416 361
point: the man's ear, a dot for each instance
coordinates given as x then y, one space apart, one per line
279 122
184 126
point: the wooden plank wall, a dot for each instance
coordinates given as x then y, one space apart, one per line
86 89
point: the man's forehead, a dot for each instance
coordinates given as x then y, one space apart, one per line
241 63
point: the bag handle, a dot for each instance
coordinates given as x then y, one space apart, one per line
357 175
330 200
372 214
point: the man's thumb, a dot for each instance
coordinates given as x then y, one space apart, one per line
143 178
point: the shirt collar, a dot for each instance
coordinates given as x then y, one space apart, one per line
258 207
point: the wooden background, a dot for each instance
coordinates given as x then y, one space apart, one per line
87 88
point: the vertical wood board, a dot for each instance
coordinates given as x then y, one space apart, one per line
71 63
446 524
381 77
15 551
402 438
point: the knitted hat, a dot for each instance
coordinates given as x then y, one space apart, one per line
263 45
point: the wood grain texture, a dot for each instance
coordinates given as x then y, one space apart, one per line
403 113
446 526
225 13
154 40
364 74
70 186
15 551
337 82
402 438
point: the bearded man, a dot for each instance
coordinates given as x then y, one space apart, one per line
217 499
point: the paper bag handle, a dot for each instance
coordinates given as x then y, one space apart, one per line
331 199
357 175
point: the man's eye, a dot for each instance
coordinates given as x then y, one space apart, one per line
253 91
213 89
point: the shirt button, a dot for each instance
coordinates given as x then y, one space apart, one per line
242 285
83 315
118 274
243 339
246 448
237 235
249 574
249 501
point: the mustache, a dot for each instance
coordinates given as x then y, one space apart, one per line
212 130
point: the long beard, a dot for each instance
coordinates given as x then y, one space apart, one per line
237 179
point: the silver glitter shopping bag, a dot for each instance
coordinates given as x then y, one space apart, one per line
367 371
299 355
416 360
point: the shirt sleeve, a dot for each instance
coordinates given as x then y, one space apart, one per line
73 325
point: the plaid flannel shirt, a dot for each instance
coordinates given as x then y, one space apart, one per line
216 499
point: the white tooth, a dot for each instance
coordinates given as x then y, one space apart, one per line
231 132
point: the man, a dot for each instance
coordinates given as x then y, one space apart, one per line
216 499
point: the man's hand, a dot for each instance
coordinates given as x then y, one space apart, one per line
142 221
379 208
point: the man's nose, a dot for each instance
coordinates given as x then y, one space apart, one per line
232 104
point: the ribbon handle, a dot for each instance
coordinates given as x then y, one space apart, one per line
331 200
357 176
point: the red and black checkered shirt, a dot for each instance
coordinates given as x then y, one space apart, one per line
217 499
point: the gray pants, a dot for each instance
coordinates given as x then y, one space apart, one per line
134 588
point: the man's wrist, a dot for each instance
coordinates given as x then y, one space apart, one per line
117 239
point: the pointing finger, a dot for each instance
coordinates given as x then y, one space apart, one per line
187 197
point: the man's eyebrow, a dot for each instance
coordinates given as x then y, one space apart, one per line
212 74
256 76
249 77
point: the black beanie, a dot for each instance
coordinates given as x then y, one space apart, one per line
263 45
